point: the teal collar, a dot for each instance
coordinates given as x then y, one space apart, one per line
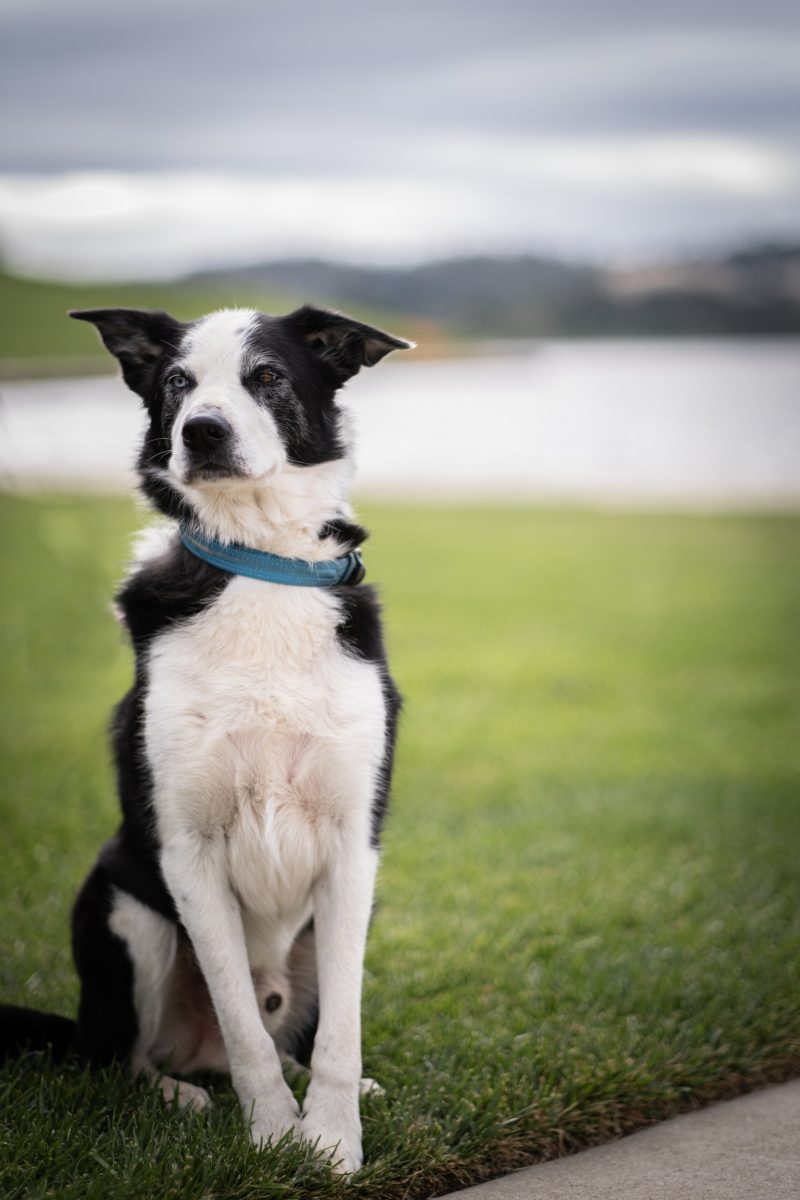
258 564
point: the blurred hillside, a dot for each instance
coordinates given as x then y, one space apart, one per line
37 338
441 305
756 291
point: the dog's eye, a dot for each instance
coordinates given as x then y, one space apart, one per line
265 376
179 381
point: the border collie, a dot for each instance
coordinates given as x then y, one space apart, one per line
223 928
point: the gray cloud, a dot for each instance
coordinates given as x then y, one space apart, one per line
445 94
266 86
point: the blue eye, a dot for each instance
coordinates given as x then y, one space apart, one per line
179 381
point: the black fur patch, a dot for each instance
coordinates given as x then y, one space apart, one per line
348 534
130 860
107 1024
301 398
343 344
296 1036
139 340
24 1029
166 590
361 633
300 1043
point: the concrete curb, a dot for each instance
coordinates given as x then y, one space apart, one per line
743 1149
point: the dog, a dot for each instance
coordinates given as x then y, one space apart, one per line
223 927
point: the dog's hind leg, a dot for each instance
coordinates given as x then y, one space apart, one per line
151 942
124 952
107 1024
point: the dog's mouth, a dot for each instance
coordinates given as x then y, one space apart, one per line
209 471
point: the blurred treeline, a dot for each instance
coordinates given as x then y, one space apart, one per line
440 304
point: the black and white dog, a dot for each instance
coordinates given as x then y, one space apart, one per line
224 926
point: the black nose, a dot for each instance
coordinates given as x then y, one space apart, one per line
206 432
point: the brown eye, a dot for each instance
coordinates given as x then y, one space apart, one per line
266 377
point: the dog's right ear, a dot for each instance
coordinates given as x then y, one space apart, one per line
137 339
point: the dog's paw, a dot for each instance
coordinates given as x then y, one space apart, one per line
331 1123
272 1119
370 1087
189 1095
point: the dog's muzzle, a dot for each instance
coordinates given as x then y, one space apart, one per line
208 441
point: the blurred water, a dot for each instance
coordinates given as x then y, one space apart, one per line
679 422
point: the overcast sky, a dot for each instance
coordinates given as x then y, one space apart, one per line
162 136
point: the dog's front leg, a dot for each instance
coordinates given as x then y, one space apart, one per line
342 905
195 871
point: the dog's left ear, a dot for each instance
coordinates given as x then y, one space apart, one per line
137 339
343 343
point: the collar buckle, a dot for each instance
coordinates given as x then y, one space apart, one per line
357 569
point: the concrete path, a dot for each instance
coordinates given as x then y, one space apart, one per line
744 1149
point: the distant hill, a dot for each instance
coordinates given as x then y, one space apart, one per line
755 291
511 297
752 292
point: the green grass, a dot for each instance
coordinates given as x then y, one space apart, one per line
588 911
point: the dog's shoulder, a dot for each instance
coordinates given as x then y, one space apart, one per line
166 584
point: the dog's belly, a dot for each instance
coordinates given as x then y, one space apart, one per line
262 730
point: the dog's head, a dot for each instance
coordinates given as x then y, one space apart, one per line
237 400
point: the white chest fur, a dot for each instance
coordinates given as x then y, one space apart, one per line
260 728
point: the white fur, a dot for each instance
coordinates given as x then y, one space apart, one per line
285 518
265 740
151 942
213 355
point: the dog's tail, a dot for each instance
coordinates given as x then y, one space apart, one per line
25 1029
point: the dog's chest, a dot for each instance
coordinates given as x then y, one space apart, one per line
261 728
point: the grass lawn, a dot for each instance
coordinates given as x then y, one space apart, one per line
588 906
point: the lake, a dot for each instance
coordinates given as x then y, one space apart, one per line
664 423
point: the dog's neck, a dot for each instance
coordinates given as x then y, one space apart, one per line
301 513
